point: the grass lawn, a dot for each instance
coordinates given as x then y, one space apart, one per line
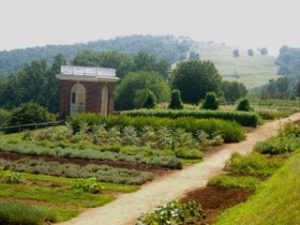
62 181
277 202
55 196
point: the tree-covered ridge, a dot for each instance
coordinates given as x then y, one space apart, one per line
167 47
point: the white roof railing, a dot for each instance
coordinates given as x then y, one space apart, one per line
87 71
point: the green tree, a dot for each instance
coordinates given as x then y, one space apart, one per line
34 82
28 113
210 102
244 105
194 79
122 62
146 62
232 91
140 82
236 53
150 101
250 52
176 102
264 51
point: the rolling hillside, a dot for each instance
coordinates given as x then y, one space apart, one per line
252 71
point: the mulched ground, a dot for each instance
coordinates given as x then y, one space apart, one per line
215 200
82 162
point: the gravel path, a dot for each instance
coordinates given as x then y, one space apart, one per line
128 207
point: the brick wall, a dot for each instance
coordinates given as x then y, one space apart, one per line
93 96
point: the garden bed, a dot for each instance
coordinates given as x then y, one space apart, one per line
215 200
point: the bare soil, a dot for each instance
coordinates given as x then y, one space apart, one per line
215 200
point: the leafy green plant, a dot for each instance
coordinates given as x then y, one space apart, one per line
87 185
174 213
10 177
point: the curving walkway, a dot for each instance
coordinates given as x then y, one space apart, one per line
128 207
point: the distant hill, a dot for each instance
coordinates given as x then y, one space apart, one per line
167 47
252 71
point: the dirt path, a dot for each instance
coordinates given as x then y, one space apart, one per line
128 207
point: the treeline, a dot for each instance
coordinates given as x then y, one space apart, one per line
288 85
36 81
168 48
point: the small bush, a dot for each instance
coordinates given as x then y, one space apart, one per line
254 164
29 113
210 101
174 213
176 102
4 116
187 153
9 177
87 185
228 181
244 105
278 145
16 214
150 101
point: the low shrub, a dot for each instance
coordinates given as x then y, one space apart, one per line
254 164
10 177
271 114
4 116
228 181
16 214
174 213
231 131
87 185
187 153
286 142
250 119
278 145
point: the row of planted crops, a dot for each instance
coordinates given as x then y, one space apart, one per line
59 171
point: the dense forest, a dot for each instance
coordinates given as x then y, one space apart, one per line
168 48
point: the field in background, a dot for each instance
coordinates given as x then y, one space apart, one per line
252 71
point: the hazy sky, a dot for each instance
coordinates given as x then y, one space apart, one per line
246 23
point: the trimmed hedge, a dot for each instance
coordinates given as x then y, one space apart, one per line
248 119
231 130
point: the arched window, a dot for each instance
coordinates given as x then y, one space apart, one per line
104 100
78 97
